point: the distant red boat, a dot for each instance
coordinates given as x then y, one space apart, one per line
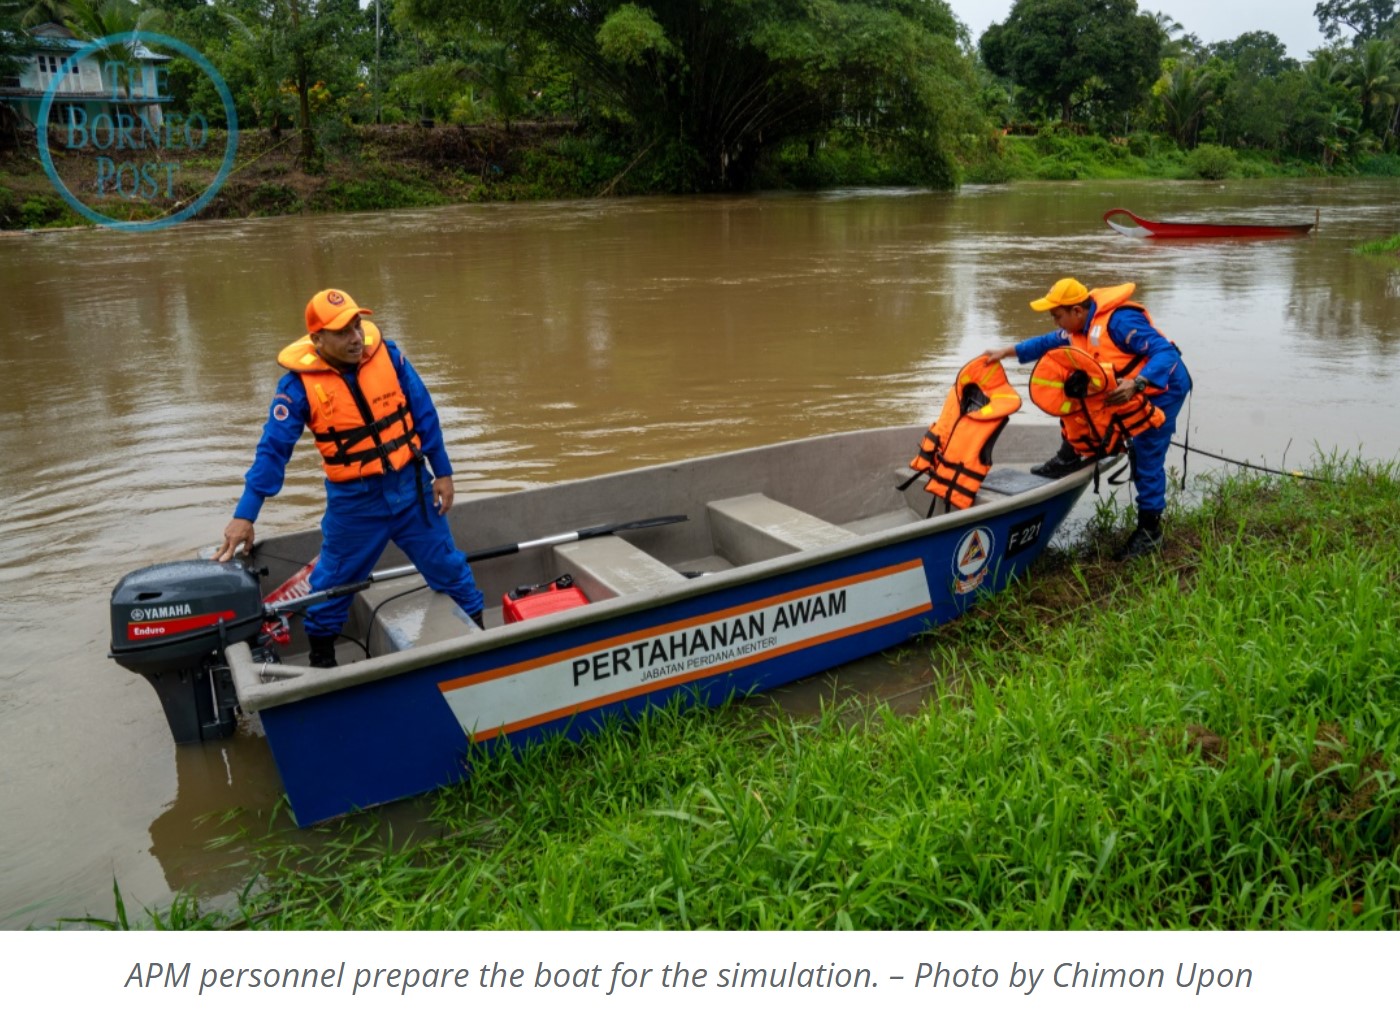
1147 228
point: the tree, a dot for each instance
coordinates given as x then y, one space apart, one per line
1185 93
713 84
100 19
1258 54
298 45
465 72
1327 120
1374 71
33 13
96 19
1368 19
11 51
1252 106
1067 54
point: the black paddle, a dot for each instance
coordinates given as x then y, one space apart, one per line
287 605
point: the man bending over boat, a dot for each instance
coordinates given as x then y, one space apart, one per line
375 425
1143 360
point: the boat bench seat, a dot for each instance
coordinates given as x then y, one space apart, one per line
748 529
1000 483
1010 481
609 566
404 618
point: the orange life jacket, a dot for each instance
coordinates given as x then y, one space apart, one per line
1074 386
956 451
367 433
1095 340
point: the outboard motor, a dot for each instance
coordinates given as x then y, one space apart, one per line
171 623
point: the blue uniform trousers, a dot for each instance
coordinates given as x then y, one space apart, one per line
1151 448
361 518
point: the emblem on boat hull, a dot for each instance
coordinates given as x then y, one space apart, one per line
971 559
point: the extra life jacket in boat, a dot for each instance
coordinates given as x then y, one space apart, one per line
1074 387
366 433
956 451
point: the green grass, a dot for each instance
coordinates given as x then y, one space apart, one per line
1389 246
1208 740
1057 156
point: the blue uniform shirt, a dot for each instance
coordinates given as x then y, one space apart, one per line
1130 331
289 415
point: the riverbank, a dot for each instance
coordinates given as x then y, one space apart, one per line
362 169
368 168
1226 762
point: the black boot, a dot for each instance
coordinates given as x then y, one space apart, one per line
322 651
1065 462
477 619
1146 539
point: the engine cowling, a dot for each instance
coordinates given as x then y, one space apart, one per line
171 623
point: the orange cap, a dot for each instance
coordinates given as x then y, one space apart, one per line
1066 292
331 309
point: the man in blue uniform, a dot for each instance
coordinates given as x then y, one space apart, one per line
1144 361
376 427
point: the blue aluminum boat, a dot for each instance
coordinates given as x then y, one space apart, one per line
764 566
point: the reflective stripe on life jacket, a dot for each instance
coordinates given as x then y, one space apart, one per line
363 430
1074 387
956 451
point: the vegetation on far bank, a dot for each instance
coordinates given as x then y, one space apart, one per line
1208 740
405 166
418 102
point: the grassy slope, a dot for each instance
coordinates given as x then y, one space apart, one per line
1204 741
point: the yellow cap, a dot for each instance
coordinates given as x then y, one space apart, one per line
1068 291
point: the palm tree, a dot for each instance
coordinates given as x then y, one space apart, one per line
1177 43
99 19
1375 72
41 12
1337 128
1185 94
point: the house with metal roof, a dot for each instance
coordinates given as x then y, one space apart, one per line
101 87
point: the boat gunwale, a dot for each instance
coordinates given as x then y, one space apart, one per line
261 686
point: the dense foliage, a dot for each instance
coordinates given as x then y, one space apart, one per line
698 95
715 85
1067 55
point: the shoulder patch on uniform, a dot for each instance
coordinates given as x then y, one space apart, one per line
281 411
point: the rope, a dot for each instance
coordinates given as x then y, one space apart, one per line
1253 467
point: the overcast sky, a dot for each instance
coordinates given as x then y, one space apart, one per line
1212 20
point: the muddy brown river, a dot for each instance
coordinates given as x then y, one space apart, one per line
562 340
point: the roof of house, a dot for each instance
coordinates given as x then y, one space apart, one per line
53 36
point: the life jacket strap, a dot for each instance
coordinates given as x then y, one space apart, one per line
372 453
943 484
378 450
362 432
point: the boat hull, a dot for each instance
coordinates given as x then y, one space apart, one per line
408 733
1142 228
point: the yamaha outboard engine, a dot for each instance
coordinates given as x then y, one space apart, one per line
171 623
